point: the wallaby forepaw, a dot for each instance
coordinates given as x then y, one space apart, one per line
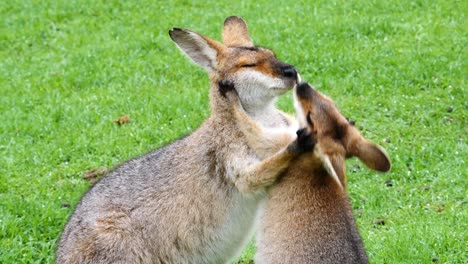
305 139
304 142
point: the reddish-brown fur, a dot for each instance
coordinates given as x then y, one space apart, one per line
308 217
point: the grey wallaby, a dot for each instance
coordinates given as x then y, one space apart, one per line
196 199
308 217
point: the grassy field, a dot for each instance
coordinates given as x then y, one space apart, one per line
69 69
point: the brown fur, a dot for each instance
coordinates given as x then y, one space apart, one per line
308 218
196 199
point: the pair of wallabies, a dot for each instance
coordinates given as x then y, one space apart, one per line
197 200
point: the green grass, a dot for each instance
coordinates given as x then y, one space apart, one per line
69 68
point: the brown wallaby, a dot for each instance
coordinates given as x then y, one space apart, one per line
308 217
196 199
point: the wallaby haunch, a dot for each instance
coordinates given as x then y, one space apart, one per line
196 199
308 217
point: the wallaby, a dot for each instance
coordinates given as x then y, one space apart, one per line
308 217
194 200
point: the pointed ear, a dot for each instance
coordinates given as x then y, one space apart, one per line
374 156
334 168
235 33
339 166
202 50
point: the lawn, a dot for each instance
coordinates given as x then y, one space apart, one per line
70 69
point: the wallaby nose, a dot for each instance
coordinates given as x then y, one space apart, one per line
289 72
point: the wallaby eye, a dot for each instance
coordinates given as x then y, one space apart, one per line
310 122
309 119
250 65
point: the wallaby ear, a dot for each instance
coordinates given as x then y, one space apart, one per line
235 33
333 167
374 156
202 50
339 166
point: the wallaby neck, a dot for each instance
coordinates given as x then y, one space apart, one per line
265 113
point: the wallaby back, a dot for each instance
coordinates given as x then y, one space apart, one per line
196 199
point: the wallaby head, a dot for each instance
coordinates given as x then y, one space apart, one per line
337 136
256 72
